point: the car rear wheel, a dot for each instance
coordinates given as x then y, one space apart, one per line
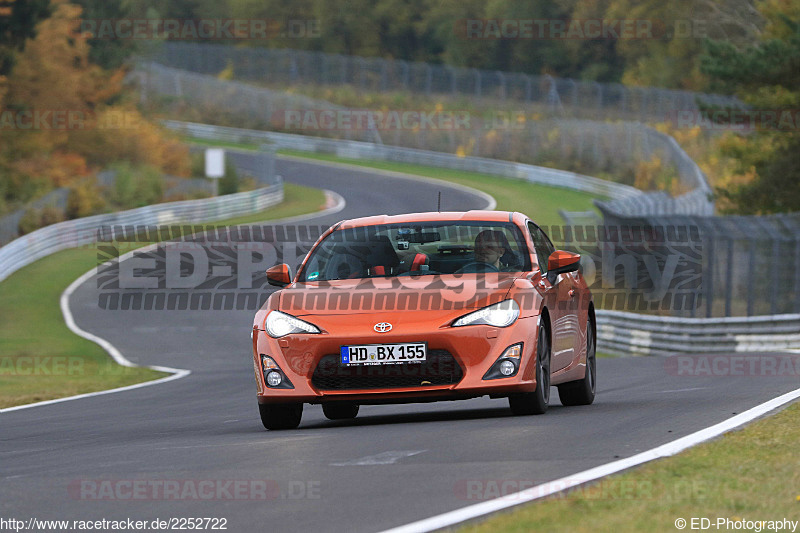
582 391
340 411
280 415
536 402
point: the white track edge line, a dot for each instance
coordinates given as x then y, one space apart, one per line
560 485
116 355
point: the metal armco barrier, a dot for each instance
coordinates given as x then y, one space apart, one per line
631 333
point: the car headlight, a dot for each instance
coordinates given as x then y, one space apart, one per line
499 315
280 324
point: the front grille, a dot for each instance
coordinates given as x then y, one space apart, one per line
440 368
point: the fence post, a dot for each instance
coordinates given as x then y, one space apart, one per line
177 82
502 78
751 270
776 261
623 104
729 278
384 76
428 79
574 89
528 89
404 67
710 280
796 273
293 68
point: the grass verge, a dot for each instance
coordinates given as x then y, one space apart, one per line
41 359
749 474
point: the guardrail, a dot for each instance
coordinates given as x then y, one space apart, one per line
82 231
630 333
364 150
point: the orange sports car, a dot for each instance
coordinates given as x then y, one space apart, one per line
425 307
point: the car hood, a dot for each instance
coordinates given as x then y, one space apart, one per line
437 295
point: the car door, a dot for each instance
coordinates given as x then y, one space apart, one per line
562 304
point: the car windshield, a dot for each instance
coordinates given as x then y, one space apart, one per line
418 249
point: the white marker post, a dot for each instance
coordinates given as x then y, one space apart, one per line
215 166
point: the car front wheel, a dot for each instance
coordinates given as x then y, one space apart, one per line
582 391
536 402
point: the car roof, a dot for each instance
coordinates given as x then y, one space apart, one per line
434 216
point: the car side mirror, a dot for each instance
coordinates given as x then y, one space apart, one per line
279 275
561 262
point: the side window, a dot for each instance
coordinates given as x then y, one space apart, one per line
544 248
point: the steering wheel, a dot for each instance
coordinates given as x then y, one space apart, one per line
476 267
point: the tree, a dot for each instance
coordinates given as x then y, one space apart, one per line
767 77
17 24
53 77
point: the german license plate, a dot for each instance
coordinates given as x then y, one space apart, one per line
384 354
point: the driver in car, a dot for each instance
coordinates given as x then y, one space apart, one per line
490 245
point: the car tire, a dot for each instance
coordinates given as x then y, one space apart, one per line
340 411
280 415
582 391
536 402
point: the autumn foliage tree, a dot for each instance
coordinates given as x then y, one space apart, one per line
53 78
